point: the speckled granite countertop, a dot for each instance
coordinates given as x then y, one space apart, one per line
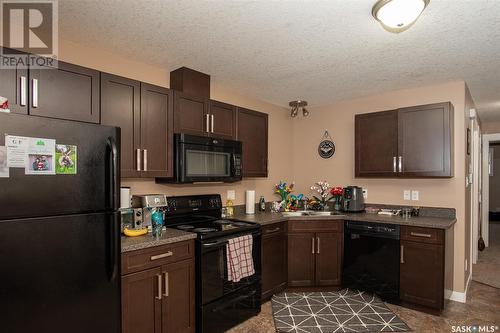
142 242
420 221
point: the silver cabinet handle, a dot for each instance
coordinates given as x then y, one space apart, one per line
166 292
161 256
23 90
312 247
402 256
418 234
272 231
394 163
158 276
400 163
317 239
145 160
35 93
207 120
212 122
138 157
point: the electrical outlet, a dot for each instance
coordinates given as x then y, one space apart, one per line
415 195
365 193
407 195
231 195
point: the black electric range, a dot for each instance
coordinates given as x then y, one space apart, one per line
220 303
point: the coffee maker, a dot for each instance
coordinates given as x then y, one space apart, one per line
148 204
352 199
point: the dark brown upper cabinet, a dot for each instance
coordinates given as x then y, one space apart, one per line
413 142
191 114
144 113
14 87
252 131
120 106
222 120
67 92
156 131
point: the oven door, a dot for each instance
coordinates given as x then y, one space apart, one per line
212 269
198 162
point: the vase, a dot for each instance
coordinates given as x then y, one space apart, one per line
336 205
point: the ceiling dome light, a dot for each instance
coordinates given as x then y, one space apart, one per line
398 15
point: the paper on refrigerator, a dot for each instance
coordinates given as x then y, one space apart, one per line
17 150
4 170
41 157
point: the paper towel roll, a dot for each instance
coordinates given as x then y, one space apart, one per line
250 201
124 197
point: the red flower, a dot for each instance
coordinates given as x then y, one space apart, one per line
335 191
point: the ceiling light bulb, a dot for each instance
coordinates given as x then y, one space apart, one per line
398 15
305 112
295 111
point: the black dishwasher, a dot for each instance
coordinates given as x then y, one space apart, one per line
371 259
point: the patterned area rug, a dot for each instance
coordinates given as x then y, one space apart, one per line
328 312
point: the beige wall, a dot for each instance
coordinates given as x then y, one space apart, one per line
293 144
490 127
280 124
338 119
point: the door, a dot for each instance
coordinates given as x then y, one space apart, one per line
68 92
14 87
376 142
422 274
156 131
120 106
94 187
425 140
222 120
191 115
301 252
252 132
60 272
328 258
142 302
178 310
274 260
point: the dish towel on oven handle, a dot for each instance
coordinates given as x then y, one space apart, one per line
239 258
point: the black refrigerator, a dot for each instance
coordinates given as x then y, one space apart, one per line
60 234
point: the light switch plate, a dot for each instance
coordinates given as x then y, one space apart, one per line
415 195
231 195
407 195
365 193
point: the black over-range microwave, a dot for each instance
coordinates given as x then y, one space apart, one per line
204 159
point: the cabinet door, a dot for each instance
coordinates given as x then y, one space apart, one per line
178 310
274 260
141 303
223 120
252 132
376 141
328 258
156 131
14 87
120 106
191 115
422 274
301 249
67 92
425 140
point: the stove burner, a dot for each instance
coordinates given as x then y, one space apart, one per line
204 230
240 224
185 227
222 222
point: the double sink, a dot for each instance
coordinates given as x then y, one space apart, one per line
311 213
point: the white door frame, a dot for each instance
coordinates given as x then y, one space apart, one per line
487 138
475 190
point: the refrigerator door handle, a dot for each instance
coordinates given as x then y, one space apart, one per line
114 181
114 245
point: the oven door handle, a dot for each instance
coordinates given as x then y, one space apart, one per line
225 240
233 301
214 244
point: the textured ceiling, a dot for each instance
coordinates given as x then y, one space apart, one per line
320 51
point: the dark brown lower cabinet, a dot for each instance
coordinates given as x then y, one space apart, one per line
422 267
315 253
159 299
274 259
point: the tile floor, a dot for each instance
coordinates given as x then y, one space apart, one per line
482 308
487 269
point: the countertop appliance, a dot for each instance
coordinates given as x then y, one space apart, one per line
147 204
204 159
352 199
220 304
371 259
60 234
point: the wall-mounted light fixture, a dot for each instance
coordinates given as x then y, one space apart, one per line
296 105
398 15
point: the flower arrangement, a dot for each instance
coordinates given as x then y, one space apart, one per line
337 193
283 190
323 188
